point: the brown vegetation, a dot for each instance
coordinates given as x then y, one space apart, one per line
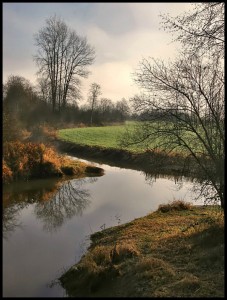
179 253
175 205
35 160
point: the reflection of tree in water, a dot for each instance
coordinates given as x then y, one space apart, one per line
17 196
9 219
179 180
71 199
68 199
12 205
198 187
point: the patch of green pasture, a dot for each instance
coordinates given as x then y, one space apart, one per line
111 136
107 137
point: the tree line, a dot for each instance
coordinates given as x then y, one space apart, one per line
24 106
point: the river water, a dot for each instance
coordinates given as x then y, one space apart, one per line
46 226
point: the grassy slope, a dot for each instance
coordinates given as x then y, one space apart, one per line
107 137
172 254
110 137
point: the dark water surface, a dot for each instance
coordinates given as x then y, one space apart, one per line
46 226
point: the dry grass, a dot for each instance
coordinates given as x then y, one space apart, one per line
7 174
36 160
175 205
31 160
120 252
179 253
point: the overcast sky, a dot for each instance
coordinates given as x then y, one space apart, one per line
121 33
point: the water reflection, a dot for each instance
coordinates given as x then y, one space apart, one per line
10 219
70 200
55 201
121 195
179 180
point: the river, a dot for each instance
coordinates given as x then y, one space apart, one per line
46 226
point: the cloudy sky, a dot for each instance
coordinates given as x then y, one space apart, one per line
121 33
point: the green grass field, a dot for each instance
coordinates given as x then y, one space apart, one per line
106 137
111 136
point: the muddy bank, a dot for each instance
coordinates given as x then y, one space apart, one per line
149 162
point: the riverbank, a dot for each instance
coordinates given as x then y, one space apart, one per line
29 160
147 161
177 251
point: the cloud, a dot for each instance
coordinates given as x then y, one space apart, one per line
113 18
121 33
115 80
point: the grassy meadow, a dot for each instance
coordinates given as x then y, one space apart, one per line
107 136
111 137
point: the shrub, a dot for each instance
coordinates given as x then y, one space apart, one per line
29 160
175 205
35 160
6 173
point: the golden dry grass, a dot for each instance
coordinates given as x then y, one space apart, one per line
36 160
179 253
175 205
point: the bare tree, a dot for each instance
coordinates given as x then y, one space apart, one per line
123 109
44 90
185 109
105 105
94 92
105 109
201 29
184 100
62 58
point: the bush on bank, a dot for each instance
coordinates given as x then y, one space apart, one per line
35 160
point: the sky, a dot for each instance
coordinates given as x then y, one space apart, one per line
121 33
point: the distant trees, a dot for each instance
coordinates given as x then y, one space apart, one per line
18 94
105 106
94 93
104 110
19 103
189 92
62 58
122 107
26 107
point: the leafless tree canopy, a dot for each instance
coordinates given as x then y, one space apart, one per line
201 29
184 100
94 93
62 58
